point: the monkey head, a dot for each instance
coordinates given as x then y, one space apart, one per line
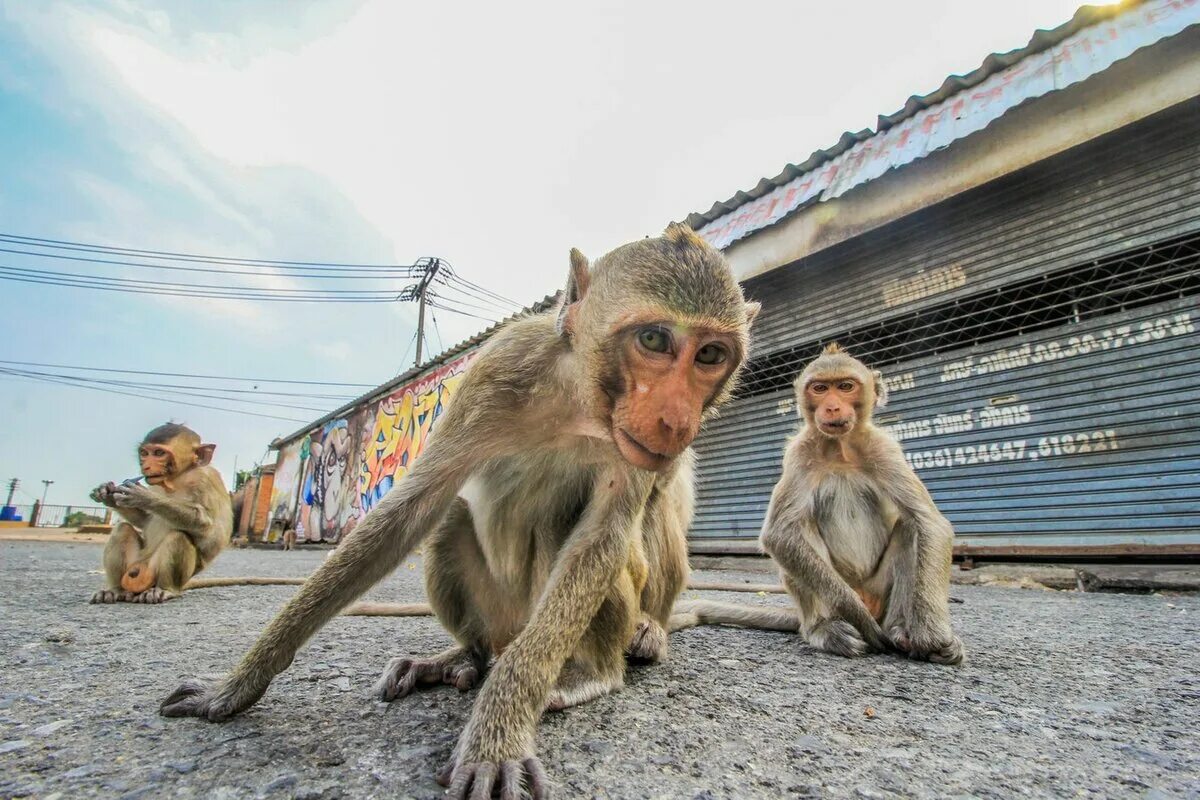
662 329
837 394
170 450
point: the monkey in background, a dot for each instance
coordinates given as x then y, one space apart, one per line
860 545
555 493
172 528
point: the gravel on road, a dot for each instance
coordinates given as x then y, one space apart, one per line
1064 694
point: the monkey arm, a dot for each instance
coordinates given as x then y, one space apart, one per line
504 720
184 515
785 539
134 516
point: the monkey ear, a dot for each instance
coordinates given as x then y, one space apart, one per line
204 454
881 392
752 309
578 280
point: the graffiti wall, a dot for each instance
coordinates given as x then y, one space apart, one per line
340 471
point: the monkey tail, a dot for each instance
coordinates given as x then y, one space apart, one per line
250 580
690 613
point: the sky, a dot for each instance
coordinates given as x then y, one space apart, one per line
495 136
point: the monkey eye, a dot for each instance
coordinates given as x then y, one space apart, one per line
711 354
846 386
656 340
819 388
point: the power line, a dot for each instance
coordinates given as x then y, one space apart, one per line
186 375
301 271
60 244
159 399
209 294
457 311
163 391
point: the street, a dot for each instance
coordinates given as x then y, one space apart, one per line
1063 694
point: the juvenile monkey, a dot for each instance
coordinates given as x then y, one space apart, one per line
556 493
172 528
860 544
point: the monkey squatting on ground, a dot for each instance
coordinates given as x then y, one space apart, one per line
172 528
860 544
556 494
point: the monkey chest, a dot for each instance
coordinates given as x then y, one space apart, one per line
855 521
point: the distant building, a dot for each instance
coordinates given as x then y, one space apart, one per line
1019 251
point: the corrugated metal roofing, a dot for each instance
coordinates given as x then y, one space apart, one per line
953 84
545 304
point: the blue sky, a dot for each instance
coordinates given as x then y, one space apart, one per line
496 136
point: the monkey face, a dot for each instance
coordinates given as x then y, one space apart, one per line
157 462
833 404
668 374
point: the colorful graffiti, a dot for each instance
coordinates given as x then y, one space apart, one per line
346 467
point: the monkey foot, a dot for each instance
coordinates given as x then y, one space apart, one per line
214 700
938 649
509 779
109 596
457 667
649 643
577 686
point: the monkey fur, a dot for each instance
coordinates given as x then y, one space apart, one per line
172 528
554 496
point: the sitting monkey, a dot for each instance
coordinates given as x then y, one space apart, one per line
856 535
172 528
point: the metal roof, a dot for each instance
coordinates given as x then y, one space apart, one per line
545 304
952 85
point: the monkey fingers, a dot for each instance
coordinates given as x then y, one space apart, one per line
839 637
456 667
109 596
213 700
153 596
947 649
480 780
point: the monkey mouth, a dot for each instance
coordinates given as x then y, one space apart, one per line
638 454
834 427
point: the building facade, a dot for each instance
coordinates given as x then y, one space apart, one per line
1028 281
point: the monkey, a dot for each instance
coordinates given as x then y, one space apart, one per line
860 544
288 540
172 528
553 495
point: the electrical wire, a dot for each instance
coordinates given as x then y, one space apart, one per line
148 397
463 313
60 244
186 374
313 272
151 387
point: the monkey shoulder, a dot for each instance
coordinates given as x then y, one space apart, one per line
517 356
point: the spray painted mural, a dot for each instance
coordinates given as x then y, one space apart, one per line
340 471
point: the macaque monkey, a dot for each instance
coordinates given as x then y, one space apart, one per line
172 528
860 545
555 493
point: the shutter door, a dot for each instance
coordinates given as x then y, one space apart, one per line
1036 335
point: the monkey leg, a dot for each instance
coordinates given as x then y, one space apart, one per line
122 549
456 578
918 614
171 564
597 666
664 553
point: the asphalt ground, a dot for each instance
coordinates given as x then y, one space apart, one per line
1065 694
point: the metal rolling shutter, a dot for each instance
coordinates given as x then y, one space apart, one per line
1025 329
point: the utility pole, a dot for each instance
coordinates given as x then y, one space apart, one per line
12 489
419 292
45 483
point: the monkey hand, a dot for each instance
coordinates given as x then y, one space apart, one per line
213 699
102 494
472 772
130 495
